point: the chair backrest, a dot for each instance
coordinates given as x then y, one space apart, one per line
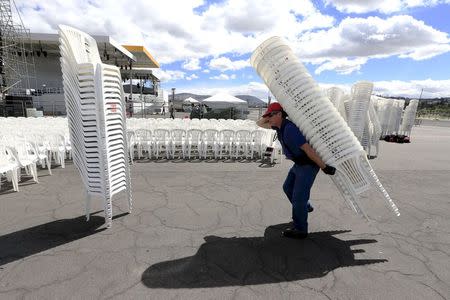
143 135
257 136
210 135
194 135
177 134
226 135
243 136
161 134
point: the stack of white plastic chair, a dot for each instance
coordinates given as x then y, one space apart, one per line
359 108
384 107
409 117
335 95
310 109
395 116
374 131
96 116
340 100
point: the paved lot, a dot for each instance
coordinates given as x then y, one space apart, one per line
208 230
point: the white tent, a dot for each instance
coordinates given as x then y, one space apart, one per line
190 100
222 101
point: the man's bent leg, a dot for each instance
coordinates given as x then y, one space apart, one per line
288 186
304 179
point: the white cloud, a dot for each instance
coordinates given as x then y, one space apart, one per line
192 64
172 30
236 27
383 6
342 65
223 77
168 75
431 88
191 77
224 63
346 47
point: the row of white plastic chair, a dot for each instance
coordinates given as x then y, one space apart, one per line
27 142
394 118
186 143
133 123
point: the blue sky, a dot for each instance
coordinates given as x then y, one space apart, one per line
204 46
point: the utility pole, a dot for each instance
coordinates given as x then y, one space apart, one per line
171 108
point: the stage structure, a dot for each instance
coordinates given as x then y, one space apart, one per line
310 109
17 72
97 121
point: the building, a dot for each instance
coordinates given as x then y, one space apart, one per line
135 63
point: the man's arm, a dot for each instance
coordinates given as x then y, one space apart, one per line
312 154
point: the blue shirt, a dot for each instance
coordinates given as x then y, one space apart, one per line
291 138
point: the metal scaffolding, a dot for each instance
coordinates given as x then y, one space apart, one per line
17 71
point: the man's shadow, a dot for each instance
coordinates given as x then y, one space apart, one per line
257 260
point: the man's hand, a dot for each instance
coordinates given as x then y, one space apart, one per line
329 170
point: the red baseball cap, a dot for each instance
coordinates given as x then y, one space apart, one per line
275 106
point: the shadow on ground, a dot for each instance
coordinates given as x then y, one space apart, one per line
23 243
257 260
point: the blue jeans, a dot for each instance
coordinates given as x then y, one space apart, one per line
297 188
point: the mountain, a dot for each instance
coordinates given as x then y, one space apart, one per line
251 100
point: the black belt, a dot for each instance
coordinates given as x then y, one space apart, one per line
303 160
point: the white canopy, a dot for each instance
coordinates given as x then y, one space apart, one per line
190 100
223 100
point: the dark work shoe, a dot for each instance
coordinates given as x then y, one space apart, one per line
310 208
294 233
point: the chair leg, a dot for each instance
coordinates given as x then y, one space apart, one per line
33 170
108 211
49 167
87 207
62 159
14 180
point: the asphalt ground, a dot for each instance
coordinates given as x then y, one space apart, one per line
212 230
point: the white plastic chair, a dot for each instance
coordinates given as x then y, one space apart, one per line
9 166
178 142
24 154
162 142
144 141
226 140
57 148
257 145
194 142
131 144
242 142
210 142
